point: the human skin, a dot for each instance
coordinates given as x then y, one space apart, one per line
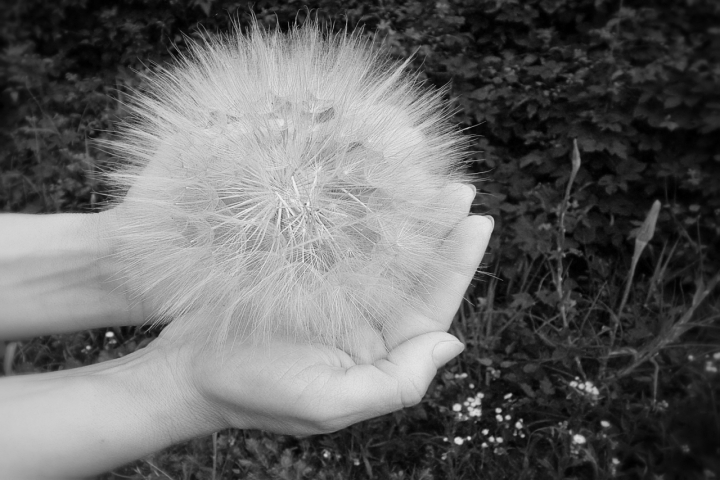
57 275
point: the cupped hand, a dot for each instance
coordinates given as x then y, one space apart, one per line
293 388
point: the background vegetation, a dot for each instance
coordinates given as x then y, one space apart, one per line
593 347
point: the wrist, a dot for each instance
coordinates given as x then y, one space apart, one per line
58 275
181 411
92 419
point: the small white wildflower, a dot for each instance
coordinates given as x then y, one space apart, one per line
499 440
491 439
579 439
518 425
574 384
508 396
457 407
716 355
326 453
484 445
498 410
507 417
445 439
499 418
472 385
109 334
459 440
356 461
615 461
691 357
605 423
485 431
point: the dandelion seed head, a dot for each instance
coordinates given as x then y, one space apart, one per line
292 184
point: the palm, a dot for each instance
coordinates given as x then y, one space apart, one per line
297 388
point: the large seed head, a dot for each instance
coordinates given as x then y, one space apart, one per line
286 184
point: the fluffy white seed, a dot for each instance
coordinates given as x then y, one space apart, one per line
286 184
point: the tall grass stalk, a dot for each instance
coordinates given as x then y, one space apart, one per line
559 271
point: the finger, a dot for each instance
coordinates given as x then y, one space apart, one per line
468 242
401 379
364 344
456 200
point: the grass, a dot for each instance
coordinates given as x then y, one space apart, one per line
576 366
616 382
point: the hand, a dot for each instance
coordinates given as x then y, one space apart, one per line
180 388
302 389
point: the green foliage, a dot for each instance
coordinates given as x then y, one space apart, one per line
637 84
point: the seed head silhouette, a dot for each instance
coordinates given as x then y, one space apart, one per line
286 184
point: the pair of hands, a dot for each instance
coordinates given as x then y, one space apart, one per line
57 274
303 389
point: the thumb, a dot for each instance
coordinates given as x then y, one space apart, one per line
397 381
414 363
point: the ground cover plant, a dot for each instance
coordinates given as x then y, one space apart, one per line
592 341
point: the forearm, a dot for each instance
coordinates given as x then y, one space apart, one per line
89 420
57 275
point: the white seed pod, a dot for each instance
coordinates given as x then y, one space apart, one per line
286 184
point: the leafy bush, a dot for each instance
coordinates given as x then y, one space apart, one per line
585 358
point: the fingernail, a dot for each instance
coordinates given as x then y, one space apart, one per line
492 220
474 190
446 351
